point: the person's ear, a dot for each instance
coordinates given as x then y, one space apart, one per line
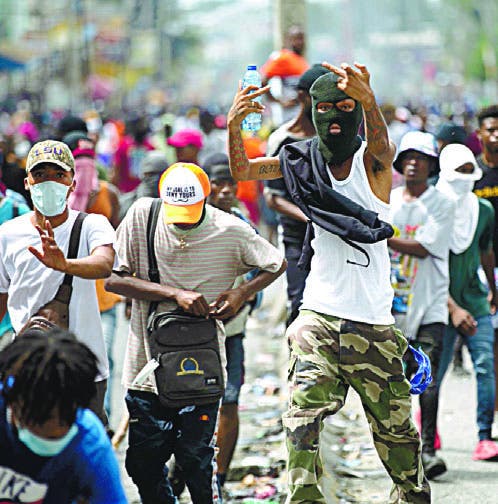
72 187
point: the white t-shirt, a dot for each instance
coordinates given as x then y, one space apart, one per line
421 284
335 286
31 285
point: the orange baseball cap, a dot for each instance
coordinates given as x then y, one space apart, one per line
183 187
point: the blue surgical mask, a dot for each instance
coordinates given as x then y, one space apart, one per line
46 447
49 198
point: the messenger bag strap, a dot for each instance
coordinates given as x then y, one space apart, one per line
155 208
66 288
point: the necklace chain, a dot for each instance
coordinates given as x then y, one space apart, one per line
183 243
181 235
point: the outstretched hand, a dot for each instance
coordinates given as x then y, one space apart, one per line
243 103
51 255
354 83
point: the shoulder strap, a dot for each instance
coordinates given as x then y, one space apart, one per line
155 208
151 230
65 290
74 243
15 209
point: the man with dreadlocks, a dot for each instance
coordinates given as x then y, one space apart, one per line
52 448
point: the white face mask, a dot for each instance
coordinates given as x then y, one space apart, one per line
461 187
49 198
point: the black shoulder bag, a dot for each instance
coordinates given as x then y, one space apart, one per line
185 346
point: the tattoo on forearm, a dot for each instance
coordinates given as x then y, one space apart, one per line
237 153
376 128
268 169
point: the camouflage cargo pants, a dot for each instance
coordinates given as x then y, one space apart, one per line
328 355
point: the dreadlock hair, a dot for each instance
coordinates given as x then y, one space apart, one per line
484 113
43 371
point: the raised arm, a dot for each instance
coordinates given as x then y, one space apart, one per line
380 151
262 168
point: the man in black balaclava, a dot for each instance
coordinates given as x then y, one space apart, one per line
344 335
337 118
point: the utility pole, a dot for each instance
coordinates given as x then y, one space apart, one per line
74 66
287 13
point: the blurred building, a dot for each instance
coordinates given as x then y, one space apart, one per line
73 53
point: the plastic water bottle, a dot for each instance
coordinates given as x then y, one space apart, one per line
252 122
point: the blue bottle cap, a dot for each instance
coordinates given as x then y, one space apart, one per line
423 377
252 67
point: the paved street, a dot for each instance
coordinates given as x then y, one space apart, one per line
353 470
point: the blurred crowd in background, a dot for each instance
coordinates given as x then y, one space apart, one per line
187 132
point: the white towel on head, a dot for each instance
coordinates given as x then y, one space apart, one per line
458 186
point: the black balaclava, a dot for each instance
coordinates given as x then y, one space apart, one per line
306 81
335 148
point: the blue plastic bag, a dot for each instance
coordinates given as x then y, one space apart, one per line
423 377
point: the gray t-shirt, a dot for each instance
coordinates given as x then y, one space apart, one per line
421 284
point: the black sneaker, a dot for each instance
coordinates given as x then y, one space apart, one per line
433 465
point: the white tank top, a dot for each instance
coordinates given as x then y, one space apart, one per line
336 287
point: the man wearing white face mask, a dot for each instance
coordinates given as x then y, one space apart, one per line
471 246
30 274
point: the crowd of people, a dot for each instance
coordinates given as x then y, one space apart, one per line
99 212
